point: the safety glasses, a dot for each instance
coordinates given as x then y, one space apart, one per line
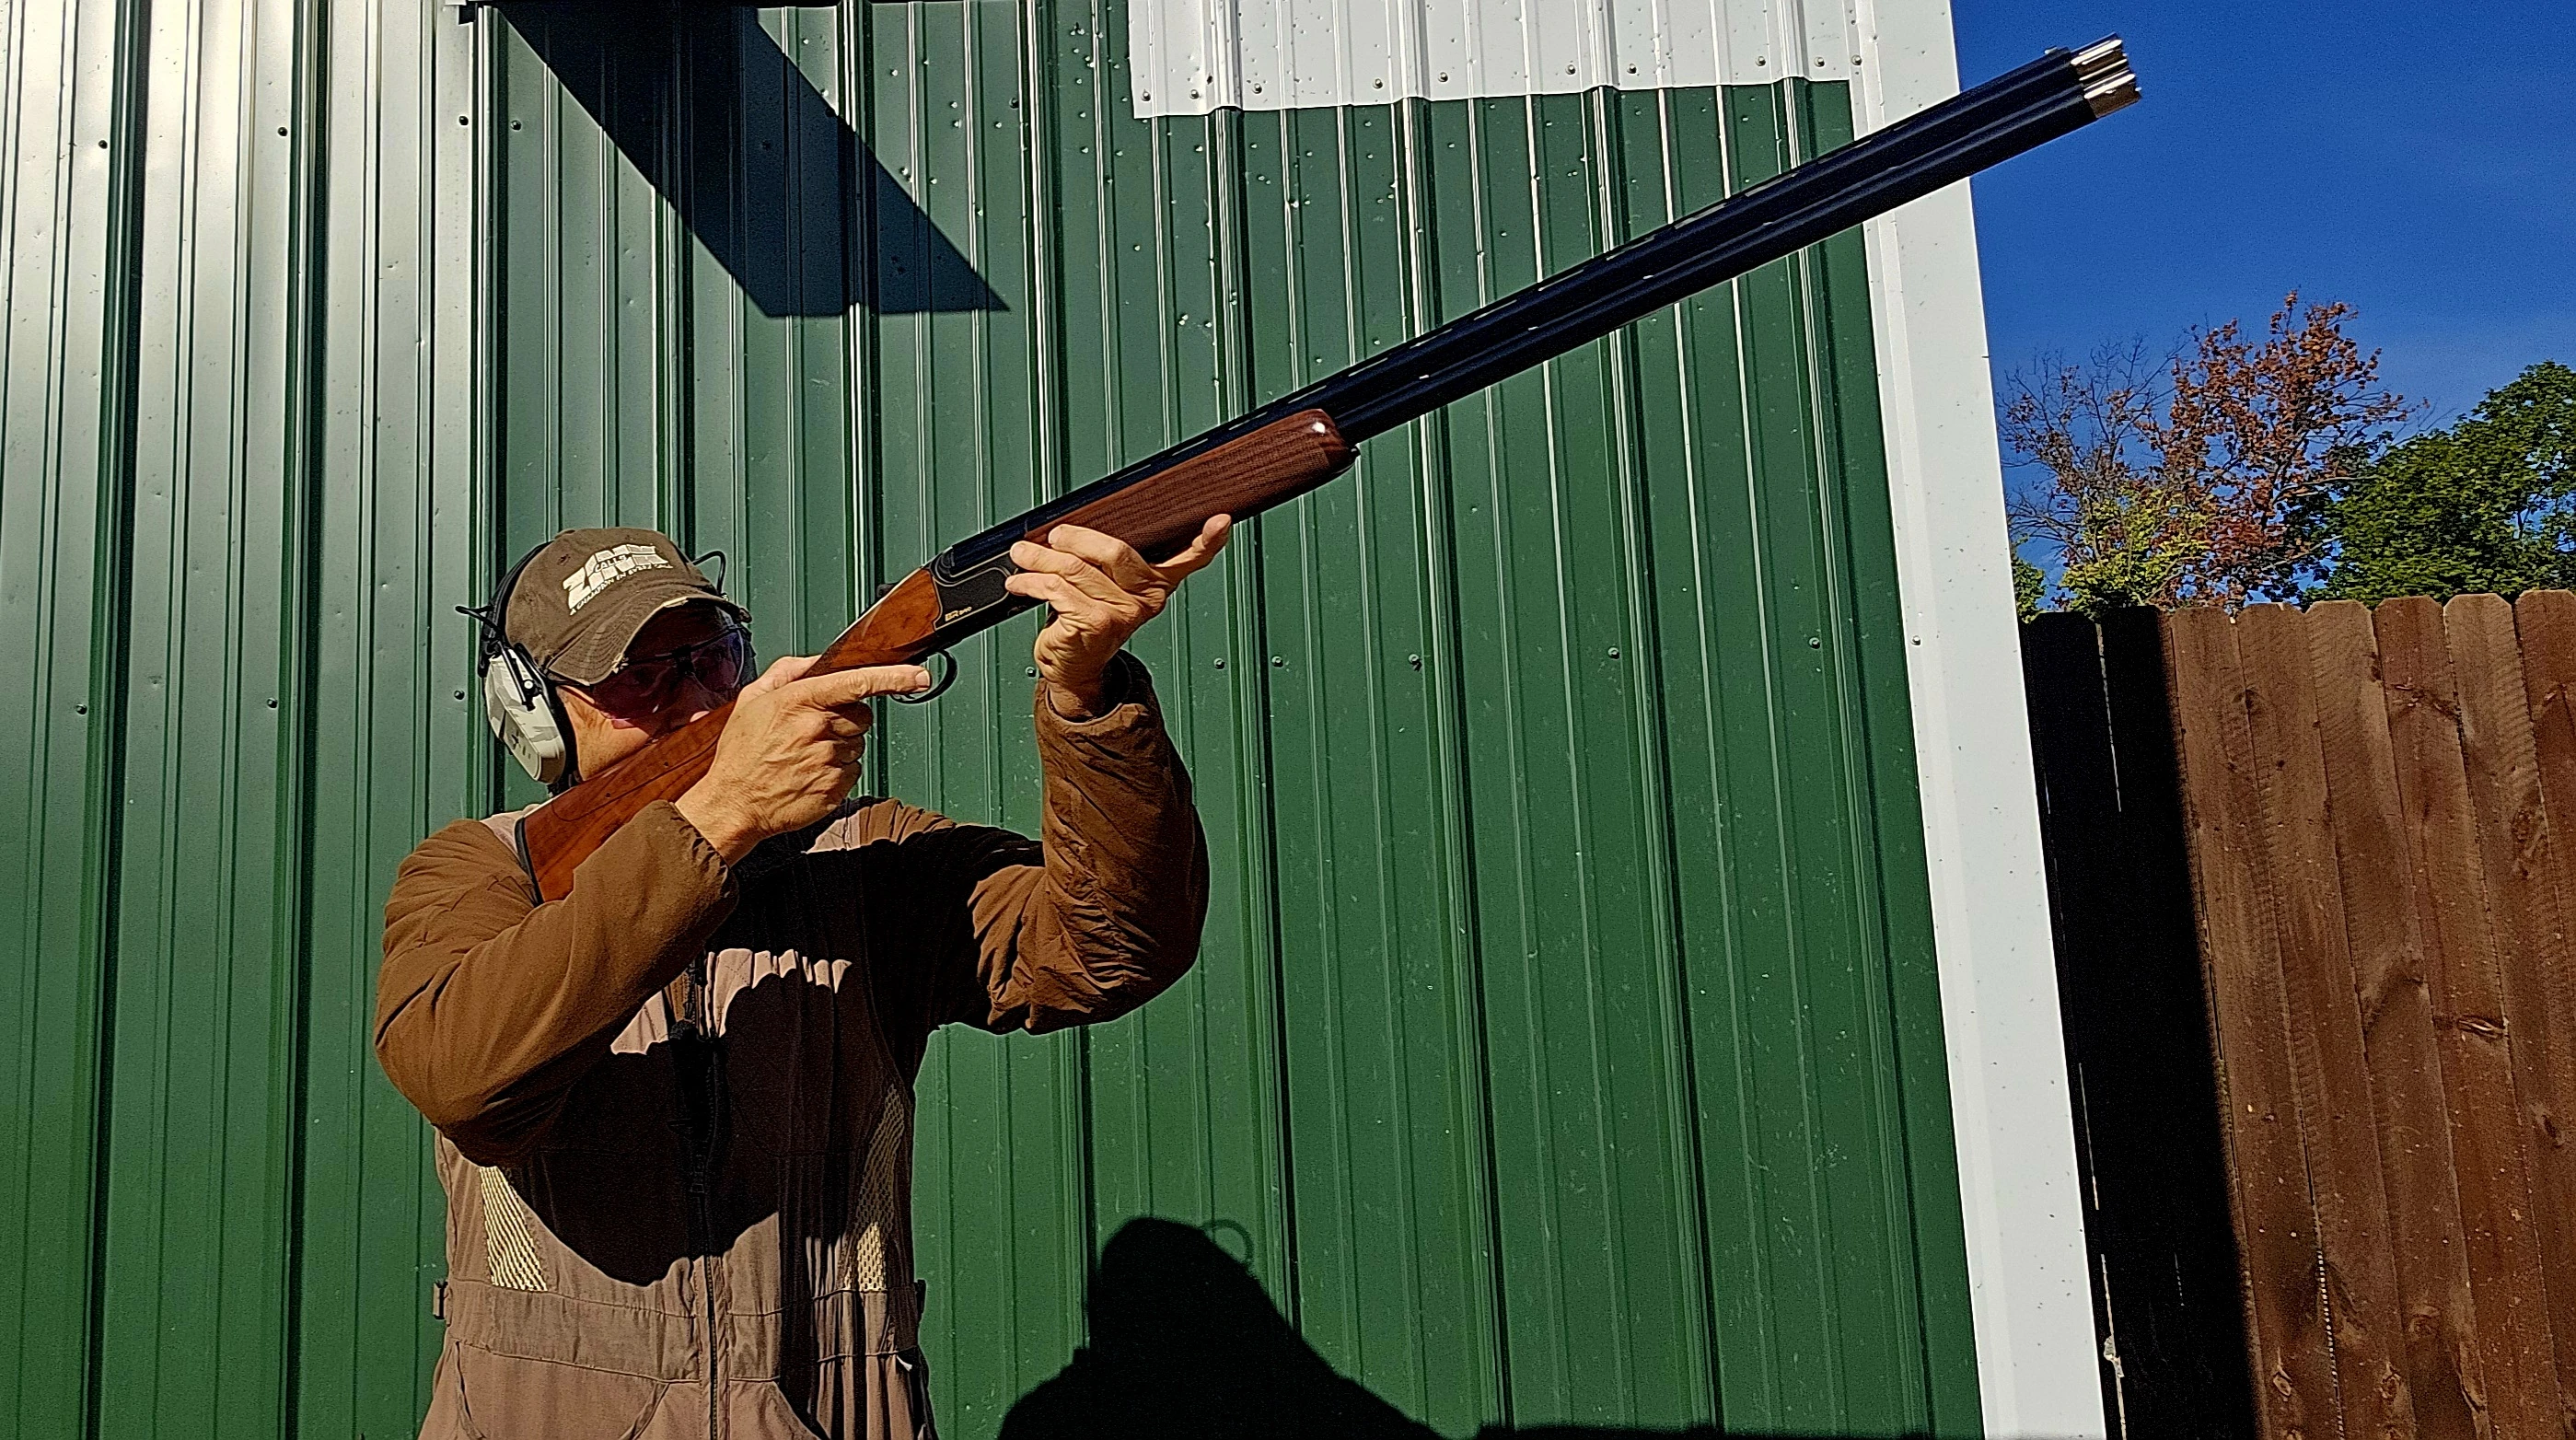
643 684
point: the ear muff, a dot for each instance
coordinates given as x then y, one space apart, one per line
518 700
520 707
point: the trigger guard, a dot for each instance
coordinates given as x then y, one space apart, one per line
939 686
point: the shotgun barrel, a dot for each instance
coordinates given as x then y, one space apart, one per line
2059 92
1301 440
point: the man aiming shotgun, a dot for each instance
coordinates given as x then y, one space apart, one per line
667 1022
683 1090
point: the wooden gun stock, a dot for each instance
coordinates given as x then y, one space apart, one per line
924 614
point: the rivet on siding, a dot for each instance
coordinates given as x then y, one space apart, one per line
102 144
281 130
1278 661
461 120
1444 77
1569 69
517 125
1815 642
1614 652
1759 60
83 709
1380 84
1033 672
1220 662
272 704
460 694
1413 660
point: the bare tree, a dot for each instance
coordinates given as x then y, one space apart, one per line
2200 476
2089 479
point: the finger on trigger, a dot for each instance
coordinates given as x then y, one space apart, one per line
851 687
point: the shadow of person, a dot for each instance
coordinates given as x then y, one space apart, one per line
1185 1345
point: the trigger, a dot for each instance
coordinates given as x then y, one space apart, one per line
939 686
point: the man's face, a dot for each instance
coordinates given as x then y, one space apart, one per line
680 667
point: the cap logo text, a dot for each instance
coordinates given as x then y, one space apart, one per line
600 570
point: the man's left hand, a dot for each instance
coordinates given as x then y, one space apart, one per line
1102 592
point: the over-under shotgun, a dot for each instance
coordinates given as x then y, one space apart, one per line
1297 442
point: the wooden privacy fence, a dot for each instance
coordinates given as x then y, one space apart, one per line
2378 816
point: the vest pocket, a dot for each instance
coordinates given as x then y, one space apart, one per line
507 1397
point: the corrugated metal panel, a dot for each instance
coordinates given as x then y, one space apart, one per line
62 456
1196 56
238 393
399 509
1565 1047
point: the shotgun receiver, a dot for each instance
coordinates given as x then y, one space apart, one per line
1293 444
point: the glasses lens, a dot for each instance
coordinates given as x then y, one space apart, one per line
645 683
719 663
634 690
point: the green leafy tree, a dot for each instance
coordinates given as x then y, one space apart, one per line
2488 504
2030 587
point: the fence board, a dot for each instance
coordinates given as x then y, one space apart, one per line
2546 623
2323 1021
2267 1156
2495 1208
2443 1375
2525 870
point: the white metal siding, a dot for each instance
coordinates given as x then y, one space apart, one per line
1189 57
2018 1186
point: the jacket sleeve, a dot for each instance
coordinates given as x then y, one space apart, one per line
489 1006
1099 915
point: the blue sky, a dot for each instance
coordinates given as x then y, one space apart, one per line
2416 160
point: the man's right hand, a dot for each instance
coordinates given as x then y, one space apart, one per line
790 752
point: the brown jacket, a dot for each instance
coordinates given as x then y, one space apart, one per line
674 1108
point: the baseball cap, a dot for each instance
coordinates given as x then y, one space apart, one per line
584 597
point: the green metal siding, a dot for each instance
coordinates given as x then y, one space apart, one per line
62 451
1565 1048
236 325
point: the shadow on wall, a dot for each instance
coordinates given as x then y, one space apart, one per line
753 159
1185 1345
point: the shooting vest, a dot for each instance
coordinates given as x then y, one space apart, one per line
714 1238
